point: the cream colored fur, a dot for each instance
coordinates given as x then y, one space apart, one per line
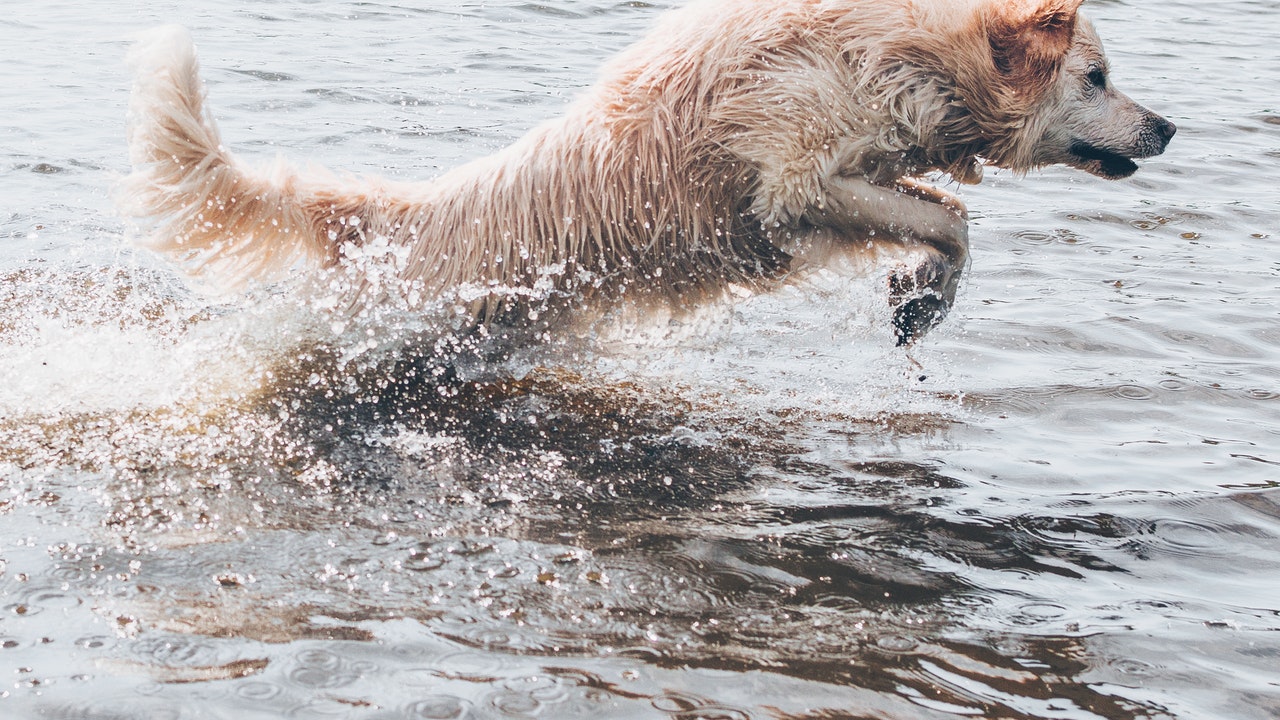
707 153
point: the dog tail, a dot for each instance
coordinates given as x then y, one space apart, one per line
220 219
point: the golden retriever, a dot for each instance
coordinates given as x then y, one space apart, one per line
734 137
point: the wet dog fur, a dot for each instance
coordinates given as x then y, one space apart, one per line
717 150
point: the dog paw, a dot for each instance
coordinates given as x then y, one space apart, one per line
922 190
920 298
915 317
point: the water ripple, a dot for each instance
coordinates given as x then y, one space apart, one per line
439 707
1182 537
683 706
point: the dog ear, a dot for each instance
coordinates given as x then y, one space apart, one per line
1029 39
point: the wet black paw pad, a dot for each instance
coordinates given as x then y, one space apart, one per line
915 317
917 306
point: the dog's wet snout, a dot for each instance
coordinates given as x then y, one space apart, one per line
1160 131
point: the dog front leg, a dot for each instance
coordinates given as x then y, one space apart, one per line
912 214
924 191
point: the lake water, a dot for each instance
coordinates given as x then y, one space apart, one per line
1064 504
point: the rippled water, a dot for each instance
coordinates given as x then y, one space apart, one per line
1069 509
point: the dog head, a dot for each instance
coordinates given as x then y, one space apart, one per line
1044 50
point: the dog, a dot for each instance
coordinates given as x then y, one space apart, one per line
720 149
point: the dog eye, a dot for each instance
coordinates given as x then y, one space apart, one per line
1097 77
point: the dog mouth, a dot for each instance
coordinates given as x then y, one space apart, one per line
1101 162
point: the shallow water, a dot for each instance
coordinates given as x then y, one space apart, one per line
1069 509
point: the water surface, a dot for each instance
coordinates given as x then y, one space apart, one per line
1064 504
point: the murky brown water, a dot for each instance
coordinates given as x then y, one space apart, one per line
1071 509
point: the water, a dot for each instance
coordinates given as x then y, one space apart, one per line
1068 509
